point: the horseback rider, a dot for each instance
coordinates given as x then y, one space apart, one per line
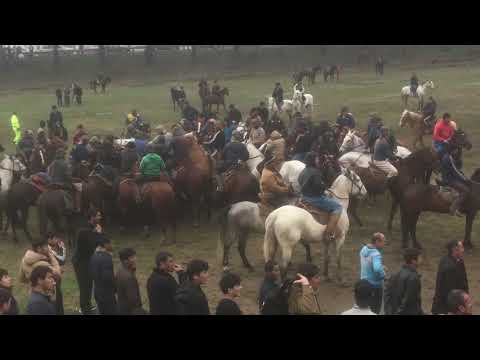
60 172
428 112
129 158
257 133
78 135
414 84
301 89
26 145
55 121
276 147
151 166
278 96
383 153
325 143
80 152
232 155
313 192
233 115
273 190
442 133
303 142
275 124
375 123
452 176
217 141
216 88
345 119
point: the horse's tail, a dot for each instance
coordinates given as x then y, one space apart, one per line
270 242
224 232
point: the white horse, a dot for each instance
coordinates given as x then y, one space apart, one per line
288 106
355 149
308 105
420 94
289 225
9 167
255 157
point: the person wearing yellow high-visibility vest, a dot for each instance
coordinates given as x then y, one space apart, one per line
16 128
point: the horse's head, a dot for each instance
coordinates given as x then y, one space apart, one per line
404 118
354 184
460 139
350 142
12 164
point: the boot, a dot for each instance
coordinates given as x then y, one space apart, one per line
329 234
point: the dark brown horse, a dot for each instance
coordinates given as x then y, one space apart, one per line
21 196
240 185
97 194
38 160
193 175
330 72
215 99
417 198
51 207
178 98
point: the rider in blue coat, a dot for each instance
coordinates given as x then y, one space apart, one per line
454 177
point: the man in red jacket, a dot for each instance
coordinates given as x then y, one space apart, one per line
442 133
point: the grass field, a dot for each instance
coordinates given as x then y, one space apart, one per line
457 91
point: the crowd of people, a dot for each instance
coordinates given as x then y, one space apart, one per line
174 290
65 95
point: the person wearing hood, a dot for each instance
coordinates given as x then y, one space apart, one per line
372 269
40 255
274 191
190 296
276 146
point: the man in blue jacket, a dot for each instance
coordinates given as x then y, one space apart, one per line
372 269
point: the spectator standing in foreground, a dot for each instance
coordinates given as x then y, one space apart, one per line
303 298
42 285
459 303
363 293
190 295
372 269
162 286
6 284
451 275
230 285
270 282
128 292
101 267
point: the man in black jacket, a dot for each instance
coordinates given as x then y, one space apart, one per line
6 284
43 283
451 275
59 95
404 294
85 245
270 283
190 296
234 115
101 267
162 286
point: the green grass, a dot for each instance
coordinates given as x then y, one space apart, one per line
457 91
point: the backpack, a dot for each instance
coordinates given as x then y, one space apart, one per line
276 303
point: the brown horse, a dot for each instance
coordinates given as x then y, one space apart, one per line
38 160
329 72
240 185
97 194
215 99
193 174
418 198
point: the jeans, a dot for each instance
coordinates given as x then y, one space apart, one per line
439 147
85 285
324 203
299 156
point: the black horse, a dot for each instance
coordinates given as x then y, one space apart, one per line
330 72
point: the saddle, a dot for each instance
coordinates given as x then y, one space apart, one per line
446 192
235 169
375 171
319 215
38 182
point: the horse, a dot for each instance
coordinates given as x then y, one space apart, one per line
288 106
420 93
307 105
329 72
178 97
97 194
38 160
194 174
51 207
104 82
240 185
215 99
288 225
418 198
10 170
298 76
416 122
313 74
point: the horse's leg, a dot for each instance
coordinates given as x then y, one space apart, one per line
308 251
339 258
413 230
25 222
326 260
196 212
352 209
405 229
393 211
242 245
468 229
286 257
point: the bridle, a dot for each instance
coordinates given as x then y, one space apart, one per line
353 182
